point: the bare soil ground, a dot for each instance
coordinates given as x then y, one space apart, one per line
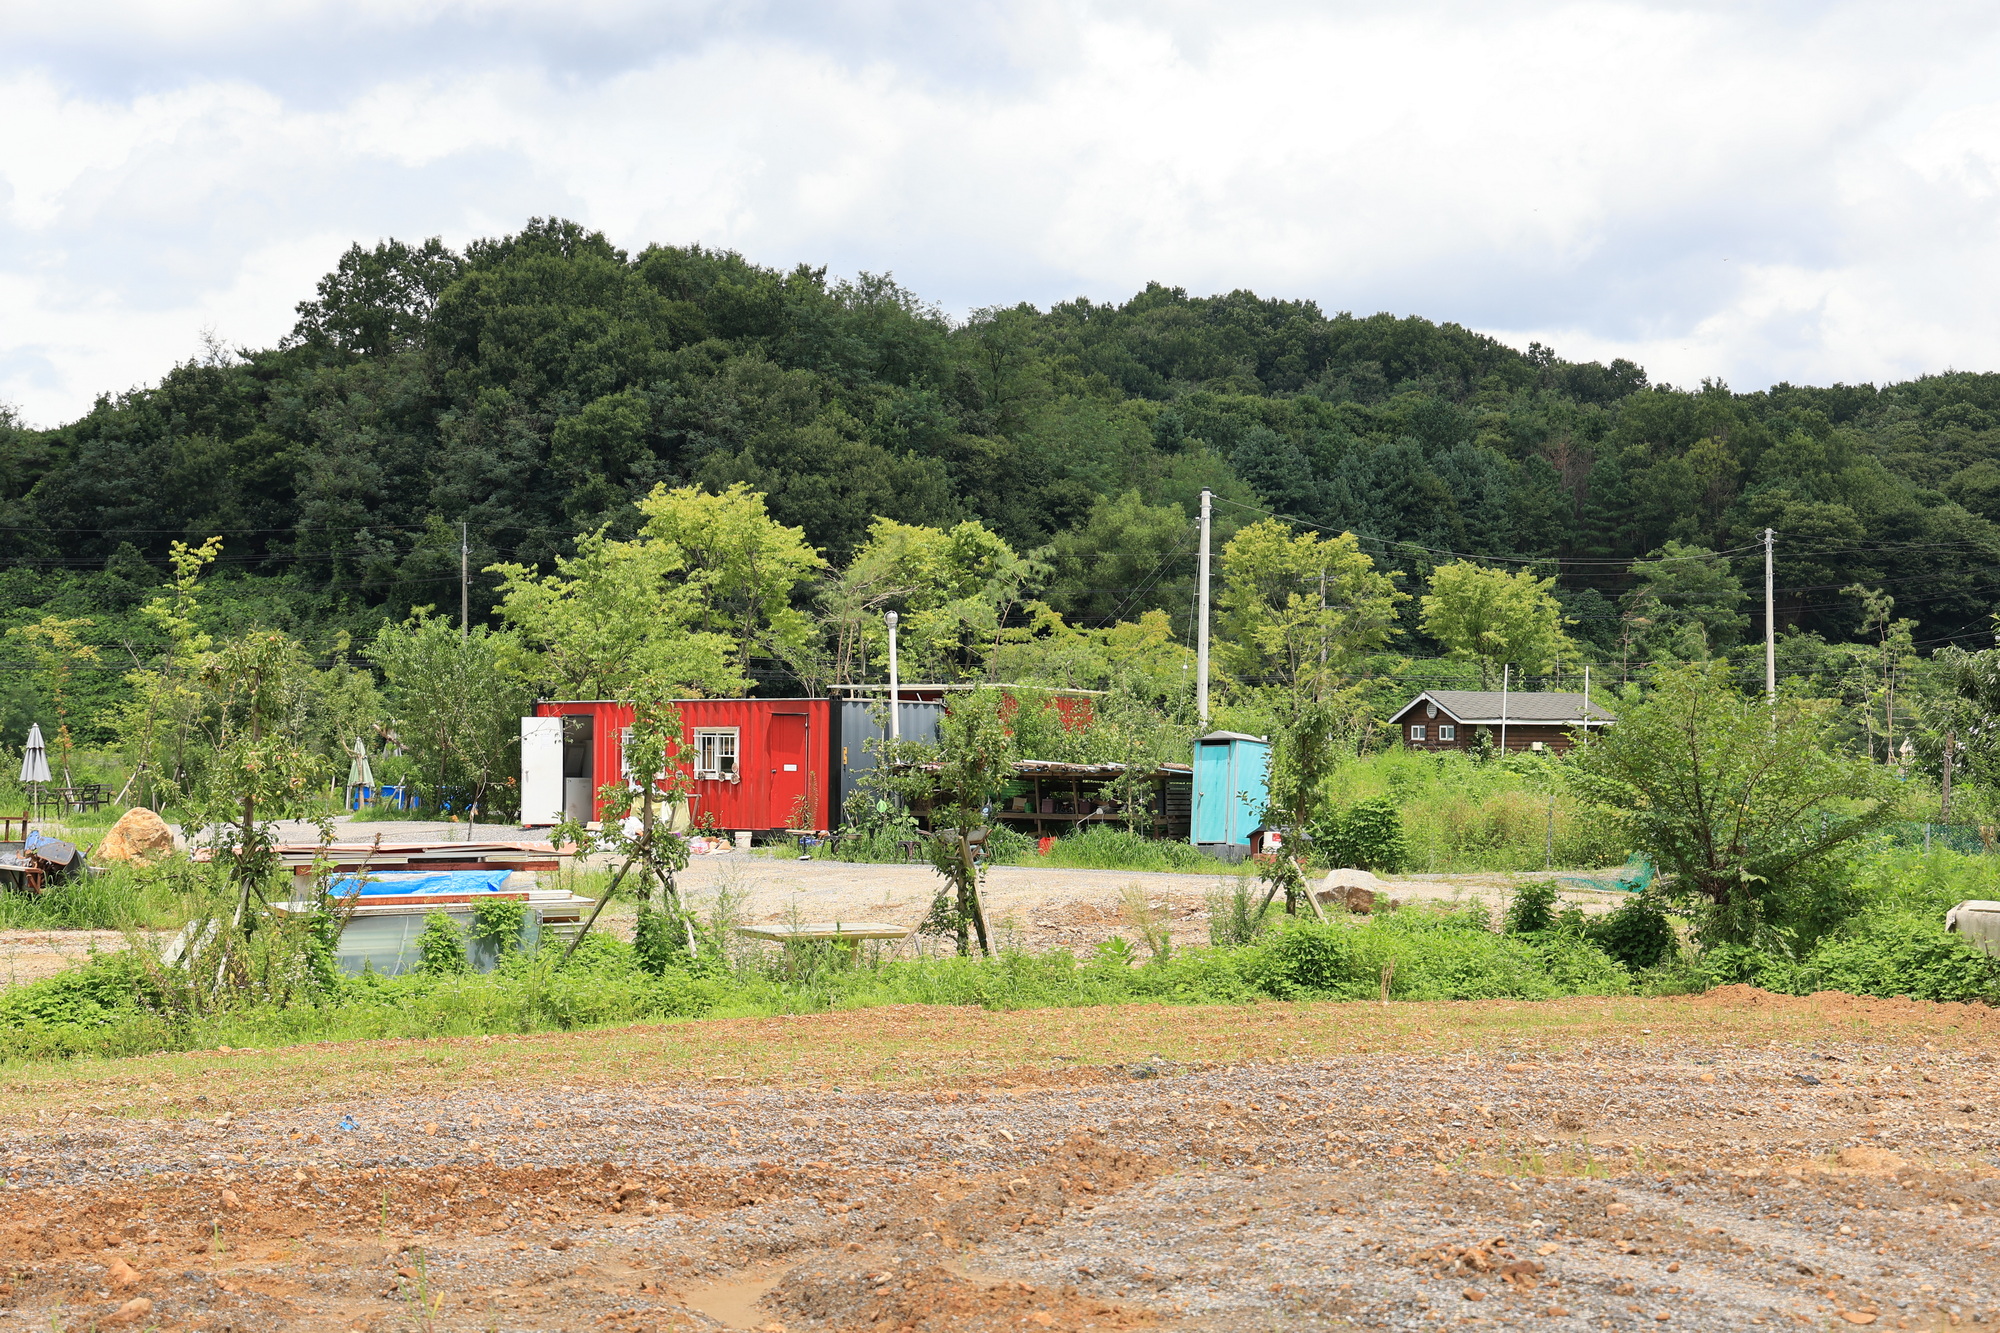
1719 1162
1034 907
30 955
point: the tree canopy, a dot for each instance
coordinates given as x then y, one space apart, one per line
542 388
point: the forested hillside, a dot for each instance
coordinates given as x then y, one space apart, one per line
535 386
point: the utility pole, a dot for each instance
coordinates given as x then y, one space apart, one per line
1506 678
1319 687
1770 625
1201 613
895 694
464 584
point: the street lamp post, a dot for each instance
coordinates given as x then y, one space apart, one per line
895 695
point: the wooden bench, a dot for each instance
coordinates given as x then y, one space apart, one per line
852 931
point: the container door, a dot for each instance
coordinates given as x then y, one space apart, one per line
1251 787
1233 828
1211 793
541 770
580 767
790 771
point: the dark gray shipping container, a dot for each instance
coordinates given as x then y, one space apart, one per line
859 726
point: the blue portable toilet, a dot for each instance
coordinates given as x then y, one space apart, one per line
1231 773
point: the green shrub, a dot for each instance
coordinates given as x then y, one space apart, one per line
659 940
1900 954
498 923
1638 934
1367 835
1237 913
1578 966
1533 910
104 989
1311 959
441 947
1428 956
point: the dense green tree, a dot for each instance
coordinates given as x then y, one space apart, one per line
456 709
1496 618
1685 605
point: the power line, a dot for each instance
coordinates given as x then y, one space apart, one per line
1390 543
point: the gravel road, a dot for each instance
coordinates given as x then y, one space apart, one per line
1698 1185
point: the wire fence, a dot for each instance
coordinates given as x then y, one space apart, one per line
1972 839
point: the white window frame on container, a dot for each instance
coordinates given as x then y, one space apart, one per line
1447 732
1417 732
718 754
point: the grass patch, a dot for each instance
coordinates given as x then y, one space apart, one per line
112 1006
954 1046
119 897
1108 847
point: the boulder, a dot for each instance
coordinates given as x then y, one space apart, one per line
1356 890
139 835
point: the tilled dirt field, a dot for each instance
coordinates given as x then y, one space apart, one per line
1743 1160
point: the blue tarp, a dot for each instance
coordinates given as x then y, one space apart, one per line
401 883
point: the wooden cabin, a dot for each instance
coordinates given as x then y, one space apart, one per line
1452 719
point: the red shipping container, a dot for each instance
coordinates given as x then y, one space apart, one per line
756 764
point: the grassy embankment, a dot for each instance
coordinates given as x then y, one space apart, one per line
942 1048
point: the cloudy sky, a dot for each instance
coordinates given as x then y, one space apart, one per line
1755 192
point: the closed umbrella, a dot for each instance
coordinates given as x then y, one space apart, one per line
359 772
34 762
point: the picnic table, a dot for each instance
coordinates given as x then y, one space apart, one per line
844 936
82 796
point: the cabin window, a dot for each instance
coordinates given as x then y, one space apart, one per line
715 752
1416 733
1447 732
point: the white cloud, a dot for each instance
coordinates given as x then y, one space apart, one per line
1754 193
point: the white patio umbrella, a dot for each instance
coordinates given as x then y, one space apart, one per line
34 762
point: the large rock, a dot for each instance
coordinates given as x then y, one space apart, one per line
1356 890
139 835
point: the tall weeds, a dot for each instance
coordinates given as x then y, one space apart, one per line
1460 814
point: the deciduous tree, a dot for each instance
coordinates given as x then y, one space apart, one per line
1742 803
1496 617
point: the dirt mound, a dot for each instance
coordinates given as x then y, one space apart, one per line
933 1299
1839 1004
1873 1161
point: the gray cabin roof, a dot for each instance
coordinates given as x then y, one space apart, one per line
1482 707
